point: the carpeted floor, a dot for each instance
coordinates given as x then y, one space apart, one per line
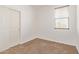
41 46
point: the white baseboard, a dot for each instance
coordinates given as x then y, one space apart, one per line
40 38
8 47
59 41
55 40
28 40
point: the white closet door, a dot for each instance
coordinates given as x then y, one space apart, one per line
14 26
9 27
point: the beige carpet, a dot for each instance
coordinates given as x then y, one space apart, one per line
40 46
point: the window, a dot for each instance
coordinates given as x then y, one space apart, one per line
62 17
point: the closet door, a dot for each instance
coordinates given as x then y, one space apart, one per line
9 27
14 18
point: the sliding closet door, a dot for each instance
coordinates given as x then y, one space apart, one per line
9 27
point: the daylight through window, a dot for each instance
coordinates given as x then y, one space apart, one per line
62 17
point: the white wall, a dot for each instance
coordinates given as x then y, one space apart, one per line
46 23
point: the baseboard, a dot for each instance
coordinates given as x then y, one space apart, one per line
57 41
45 38
18 43
28 40
8 47
54 40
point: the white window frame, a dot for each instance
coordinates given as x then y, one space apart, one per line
62 18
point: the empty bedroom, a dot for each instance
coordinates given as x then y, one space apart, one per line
39 29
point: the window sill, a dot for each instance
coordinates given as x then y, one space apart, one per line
62 28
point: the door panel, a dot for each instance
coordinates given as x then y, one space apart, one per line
9 27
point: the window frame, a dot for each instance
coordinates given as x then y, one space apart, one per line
62 17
